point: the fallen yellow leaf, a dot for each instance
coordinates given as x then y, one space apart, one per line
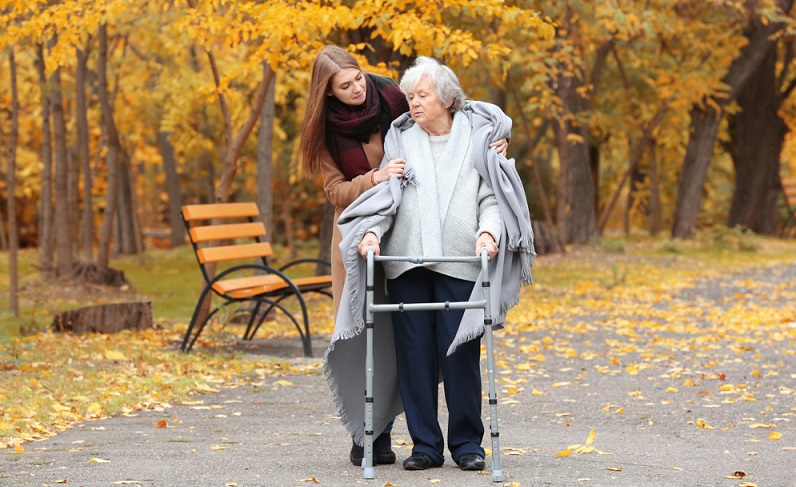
775 435
563 453
162 424
98 460
18 449
702 424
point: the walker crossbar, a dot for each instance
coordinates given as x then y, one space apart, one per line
370 308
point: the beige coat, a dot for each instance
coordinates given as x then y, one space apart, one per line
342 193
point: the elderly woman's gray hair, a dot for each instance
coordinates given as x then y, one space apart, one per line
442 78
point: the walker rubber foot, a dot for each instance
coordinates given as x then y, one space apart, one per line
370 473
497 476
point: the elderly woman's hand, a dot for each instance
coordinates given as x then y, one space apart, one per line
486 240
394 167
501 146
369 240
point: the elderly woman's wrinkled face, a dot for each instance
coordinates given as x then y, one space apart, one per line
348 85
425 106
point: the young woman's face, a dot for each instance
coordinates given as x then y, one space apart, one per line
348 86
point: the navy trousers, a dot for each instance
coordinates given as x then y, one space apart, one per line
422 339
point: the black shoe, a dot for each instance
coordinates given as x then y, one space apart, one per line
420 461
382 451
471 461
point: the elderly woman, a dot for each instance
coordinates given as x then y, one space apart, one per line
456 197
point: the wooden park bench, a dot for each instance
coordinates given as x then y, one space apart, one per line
789 191
231 232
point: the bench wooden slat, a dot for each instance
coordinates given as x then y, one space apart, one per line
220 210
239 288
234 252
257 284
227 232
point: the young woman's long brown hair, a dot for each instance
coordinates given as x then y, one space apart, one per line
329 62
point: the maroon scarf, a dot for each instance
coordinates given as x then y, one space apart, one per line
347 128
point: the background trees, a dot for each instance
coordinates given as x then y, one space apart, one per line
629 116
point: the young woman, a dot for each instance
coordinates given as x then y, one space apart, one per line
347 117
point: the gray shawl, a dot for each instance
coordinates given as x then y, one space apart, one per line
344 364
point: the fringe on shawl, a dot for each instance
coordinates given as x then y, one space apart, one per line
337 401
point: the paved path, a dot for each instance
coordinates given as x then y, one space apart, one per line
630 383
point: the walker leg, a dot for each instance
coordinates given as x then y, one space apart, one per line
367 459
497 472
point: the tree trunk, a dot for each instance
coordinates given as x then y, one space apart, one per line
706 118
655 192
704 129
3 236
45 219
112 152
81 109
63 233
577 208
106 318
265 163
758 134
11 182
129 233
173 191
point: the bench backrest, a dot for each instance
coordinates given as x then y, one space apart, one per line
215 240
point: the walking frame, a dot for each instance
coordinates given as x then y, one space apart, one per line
371 307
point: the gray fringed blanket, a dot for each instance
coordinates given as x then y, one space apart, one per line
344 365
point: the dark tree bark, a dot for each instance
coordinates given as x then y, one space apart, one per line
265 164
127 218
655 192
112 154
63 234
758 134
576 212
11 182
706 118
45 220
177 234
81 112
106 318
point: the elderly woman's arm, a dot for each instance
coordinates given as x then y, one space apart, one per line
490 224
372 237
